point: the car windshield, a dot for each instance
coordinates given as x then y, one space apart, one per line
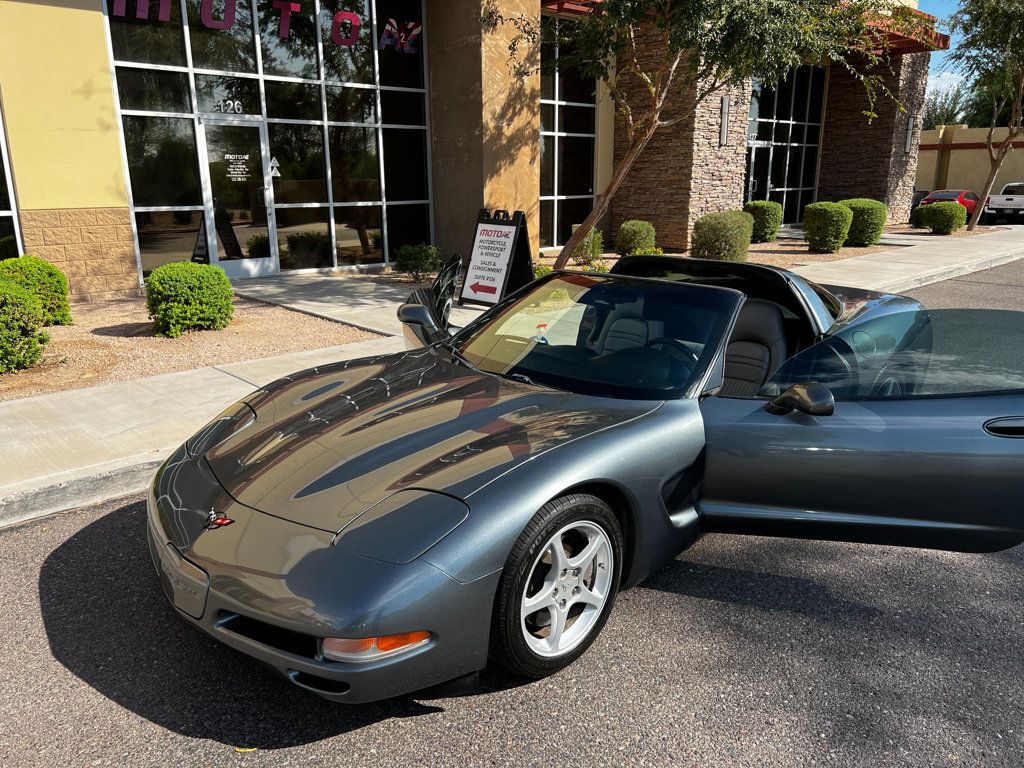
946 194
603 335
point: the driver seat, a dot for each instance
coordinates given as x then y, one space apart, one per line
756 349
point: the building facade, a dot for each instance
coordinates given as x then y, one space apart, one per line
275 136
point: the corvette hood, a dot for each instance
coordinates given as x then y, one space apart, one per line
329 442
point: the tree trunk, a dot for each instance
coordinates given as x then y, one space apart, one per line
604 202
986 191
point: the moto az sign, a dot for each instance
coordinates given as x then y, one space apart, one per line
345 27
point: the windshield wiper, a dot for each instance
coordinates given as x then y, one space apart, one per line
521 377
457 355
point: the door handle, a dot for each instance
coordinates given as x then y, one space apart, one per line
1008 426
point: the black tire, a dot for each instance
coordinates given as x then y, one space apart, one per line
508 646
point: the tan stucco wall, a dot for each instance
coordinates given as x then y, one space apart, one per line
61 122
964 168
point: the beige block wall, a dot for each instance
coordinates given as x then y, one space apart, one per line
964 168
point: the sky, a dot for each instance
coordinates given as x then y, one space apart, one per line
942 73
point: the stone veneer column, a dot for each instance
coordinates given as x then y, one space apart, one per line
93 246
862 159
683 173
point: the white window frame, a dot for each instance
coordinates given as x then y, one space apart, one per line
322 82
557 136
5 157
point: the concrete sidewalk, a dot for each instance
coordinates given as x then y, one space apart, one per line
364 303
932 261
69 449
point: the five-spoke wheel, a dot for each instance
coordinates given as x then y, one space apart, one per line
558 586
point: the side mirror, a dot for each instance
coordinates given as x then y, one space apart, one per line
418 315
811 398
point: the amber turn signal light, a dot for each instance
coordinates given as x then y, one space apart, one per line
371 648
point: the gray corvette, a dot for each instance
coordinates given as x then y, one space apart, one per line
374 527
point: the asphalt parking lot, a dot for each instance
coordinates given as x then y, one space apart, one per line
743 652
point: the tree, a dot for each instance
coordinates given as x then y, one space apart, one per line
945 106
991 54
706 47
978 110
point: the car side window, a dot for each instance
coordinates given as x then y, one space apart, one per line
923 353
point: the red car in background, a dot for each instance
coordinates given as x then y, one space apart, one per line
965 197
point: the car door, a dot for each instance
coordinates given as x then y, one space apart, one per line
426 312
934 460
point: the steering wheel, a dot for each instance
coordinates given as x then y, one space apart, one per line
674 344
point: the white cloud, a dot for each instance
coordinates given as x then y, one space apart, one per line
943 80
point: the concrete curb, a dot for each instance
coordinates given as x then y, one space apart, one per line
958 270
22 502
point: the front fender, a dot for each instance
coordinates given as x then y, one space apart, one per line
642 459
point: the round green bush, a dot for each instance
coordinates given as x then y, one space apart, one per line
186 297
919 217
945 218
634 236
826 226
590 249
45 282
723 236
869 217
767 219
418 260
21 322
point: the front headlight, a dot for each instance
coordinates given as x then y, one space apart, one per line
233 420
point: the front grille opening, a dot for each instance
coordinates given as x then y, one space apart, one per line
318 683
289 641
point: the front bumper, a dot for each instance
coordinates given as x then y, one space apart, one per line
273 589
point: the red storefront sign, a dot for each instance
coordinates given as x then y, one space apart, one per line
345 28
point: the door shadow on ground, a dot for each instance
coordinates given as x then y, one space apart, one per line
107 621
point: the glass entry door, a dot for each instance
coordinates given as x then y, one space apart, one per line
239 217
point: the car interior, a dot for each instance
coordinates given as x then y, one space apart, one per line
772 326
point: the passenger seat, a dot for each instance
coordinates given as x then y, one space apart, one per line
756 349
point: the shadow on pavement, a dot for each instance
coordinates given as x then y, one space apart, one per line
107 622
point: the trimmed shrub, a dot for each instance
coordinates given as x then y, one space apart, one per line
258 247
590 249
869 217
418 260
8 248
919 217
597 266
21 322
947 217
635 236
43 280
723 236
767 219
540 270
651 252
189 297
826 226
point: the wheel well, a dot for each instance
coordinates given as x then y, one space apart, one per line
624 512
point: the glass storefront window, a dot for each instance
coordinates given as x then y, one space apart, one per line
348 43
153 90
291 95
568 139
227 95
293 101
162 160
303 239
405 164
147 41
169 236
229 48
355 171
351 105
357 235
299 151
288 38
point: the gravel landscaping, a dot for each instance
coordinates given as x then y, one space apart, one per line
114 341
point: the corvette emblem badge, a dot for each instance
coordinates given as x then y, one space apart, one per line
216 520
